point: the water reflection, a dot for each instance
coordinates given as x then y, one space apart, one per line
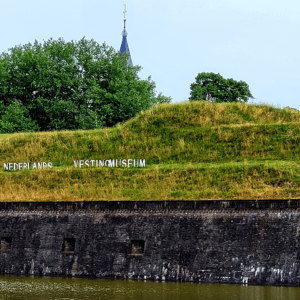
29 287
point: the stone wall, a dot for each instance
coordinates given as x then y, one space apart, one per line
234 241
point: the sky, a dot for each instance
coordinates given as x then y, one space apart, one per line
256 41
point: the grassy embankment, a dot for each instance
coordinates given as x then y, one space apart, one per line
193 151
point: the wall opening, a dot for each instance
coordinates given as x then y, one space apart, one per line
137 247
69 245
5 245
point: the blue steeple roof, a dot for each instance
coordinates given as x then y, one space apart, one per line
124 46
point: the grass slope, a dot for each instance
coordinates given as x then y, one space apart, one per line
194 150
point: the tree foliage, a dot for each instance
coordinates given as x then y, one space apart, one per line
16 118
214 87
71 85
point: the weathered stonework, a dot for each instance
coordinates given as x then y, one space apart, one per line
234 241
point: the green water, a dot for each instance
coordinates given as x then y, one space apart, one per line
24 287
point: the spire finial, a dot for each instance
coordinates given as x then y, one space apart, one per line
124 12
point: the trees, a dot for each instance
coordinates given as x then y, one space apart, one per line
214 87
15 118
72 85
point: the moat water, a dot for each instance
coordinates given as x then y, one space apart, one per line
29 287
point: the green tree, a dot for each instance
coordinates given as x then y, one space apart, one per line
163 99
15 118
74 85
214 87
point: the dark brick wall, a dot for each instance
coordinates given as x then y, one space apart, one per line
242 241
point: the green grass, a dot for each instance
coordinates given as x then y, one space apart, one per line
194 150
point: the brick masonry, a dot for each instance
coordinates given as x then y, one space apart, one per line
232 241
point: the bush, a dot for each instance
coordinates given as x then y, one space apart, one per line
15 118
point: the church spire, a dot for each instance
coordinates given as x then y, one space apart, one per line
124 46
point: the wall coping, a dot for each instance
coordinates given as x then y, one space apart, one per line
156 205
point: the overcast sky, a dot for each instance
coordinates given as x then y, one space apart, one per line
256 41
